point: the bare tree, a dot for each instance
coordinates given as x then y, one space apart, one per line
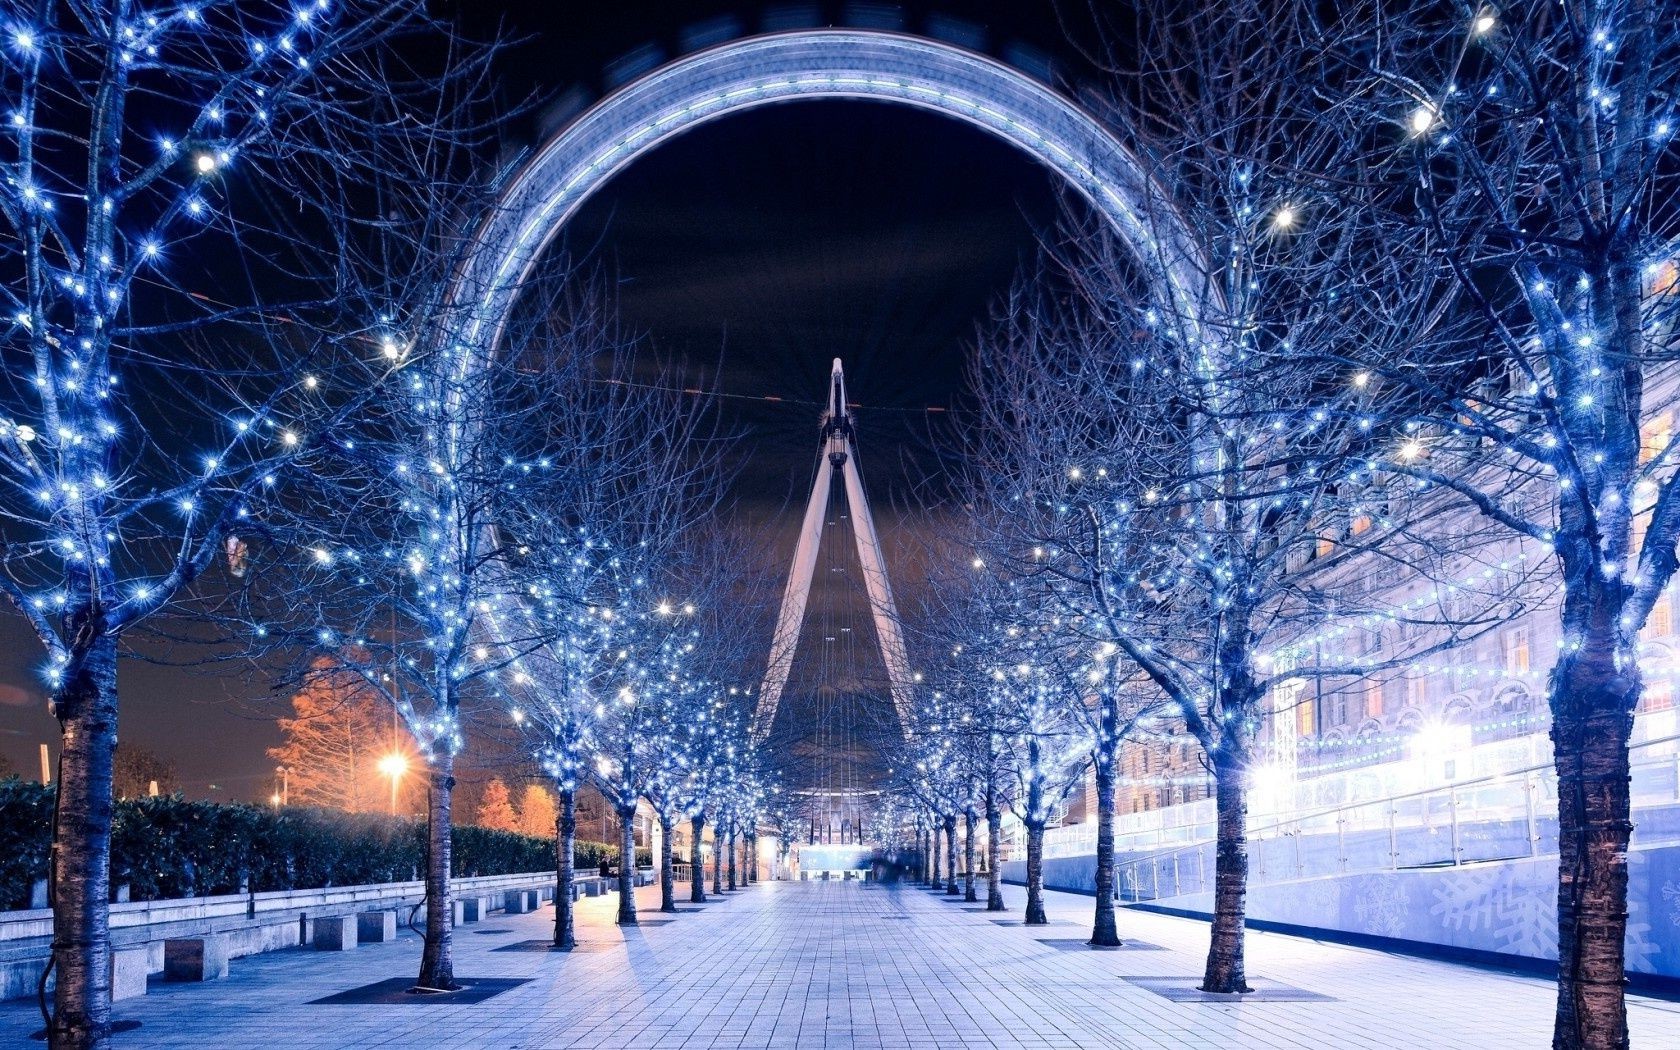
638 473
137 773
162 254
1183 468
328 751
1535 146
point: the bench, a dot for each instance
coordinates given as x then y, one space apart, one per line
195 958
376 927
129 967
518 902
335 933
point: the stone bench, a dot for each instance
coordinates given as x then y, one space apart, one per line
518 902
129 967
195 958
335 933
376 927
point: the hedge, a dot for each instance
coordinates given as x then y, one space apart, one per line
167 847
590 854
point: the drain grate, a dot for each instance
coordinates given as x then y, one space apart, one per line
396 992
1036 926
1184 990
1075 944
548 946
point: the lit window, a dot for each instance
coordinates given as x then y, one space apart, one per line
1654 436
1666 278
1373 698
1417 690
1661 623
1658 695
1515 645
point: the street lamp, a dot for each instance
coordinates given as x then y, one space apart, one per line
394 766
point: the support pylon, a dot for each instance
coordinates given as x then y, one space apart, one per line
839 452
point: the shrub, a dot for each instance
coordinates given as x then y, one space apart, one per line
168 847
587 856
25 836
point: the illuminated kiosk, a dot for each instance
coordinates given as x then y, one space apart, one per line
814 64
827 861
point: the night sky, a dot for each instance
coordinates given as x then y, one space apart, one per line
768 243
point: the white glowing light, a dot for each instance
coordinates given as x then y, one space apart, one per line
205 163
1423 118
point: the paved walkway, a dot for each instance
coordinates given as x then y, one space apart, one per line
848 965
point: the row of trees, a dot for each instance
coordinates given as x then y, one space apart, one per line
1409 314
538 814
235 391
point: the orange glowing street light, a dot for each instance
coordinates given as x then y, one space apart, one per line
394 766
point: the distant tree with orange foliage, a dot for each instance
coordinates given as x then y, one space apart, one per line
496 808
538 812
337 733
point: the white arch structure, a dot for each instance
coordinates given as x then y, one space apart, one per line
756 71
814 64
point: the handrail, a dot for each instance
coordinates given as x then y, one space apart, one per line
1392 801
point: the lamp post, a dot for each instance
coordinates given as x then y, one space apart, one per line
283 797
394 766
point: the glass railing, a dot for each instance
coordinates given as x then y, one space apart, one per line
1500 816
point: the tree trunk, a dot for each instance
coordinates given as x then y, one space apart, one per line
626 865
1594 693
437 961
1230 871
696 860
565 843
1035 874
951 855
732 856
994 876
933 842
1105 931
970 819
80 883
717 858
667 866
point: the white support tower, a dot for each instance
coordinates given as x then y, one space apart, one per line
839 453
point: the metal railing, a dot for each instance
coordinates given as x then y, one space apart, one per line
1500 816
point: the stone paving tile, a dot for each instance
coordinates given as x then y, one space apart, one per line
808 965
